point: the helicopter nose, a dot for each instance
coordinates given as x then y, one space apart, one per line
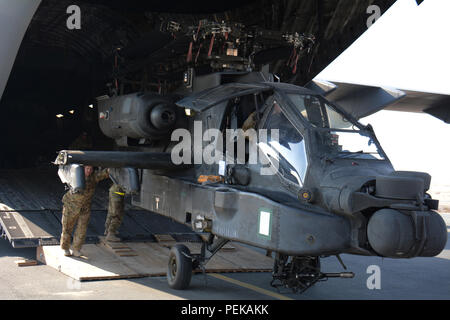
407 234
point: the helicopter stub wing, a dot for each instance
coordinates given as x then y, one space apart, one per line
362 100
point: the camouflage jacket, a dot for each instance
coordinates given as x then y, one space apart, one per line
84 197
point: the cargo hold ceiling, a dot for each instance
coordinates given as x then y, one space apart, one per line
83 58
57 69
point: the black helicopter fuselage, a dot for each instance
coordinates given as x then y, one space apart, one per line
272 165
333 189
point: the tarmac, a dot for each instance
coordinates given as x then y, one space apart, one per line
399 279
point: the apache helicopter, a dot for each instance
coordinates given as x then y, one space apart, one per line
323 185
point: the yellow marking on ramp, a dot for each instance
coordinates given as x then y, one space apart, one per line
250 286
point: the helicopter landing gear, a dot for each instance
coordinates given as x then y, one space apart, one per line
300 273
182 262
179 270
210 246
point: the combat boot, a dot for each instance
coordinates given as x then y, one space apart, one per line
76 253
111 237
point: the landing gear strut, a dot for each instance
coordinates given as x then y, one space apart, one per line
300 273
210 246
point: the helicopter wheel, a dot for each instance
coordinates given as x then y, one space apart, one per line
179 270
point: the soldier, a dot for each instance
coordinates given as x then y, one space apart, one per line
77 210
115 212
251 122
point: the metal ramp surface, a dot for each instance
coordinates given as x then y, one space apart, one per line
145 259
30 212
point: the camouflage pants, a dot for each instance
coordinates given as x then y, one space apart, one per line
115 213
70 217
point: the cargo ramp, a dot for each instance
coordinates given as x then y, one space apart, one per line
31 210
30 216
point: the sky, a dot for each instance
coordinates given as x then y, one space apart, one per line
407 48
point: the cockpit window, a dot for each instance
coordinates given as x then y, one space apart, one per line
340 136
337 120
310 108
319 114
350 144
289 147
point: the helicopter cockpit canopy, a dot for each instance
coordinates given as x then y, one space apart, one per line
287 148
338 134
307 125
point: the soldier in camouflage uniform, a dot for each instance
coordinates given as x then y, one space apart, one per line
250 122
77 210
115 212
